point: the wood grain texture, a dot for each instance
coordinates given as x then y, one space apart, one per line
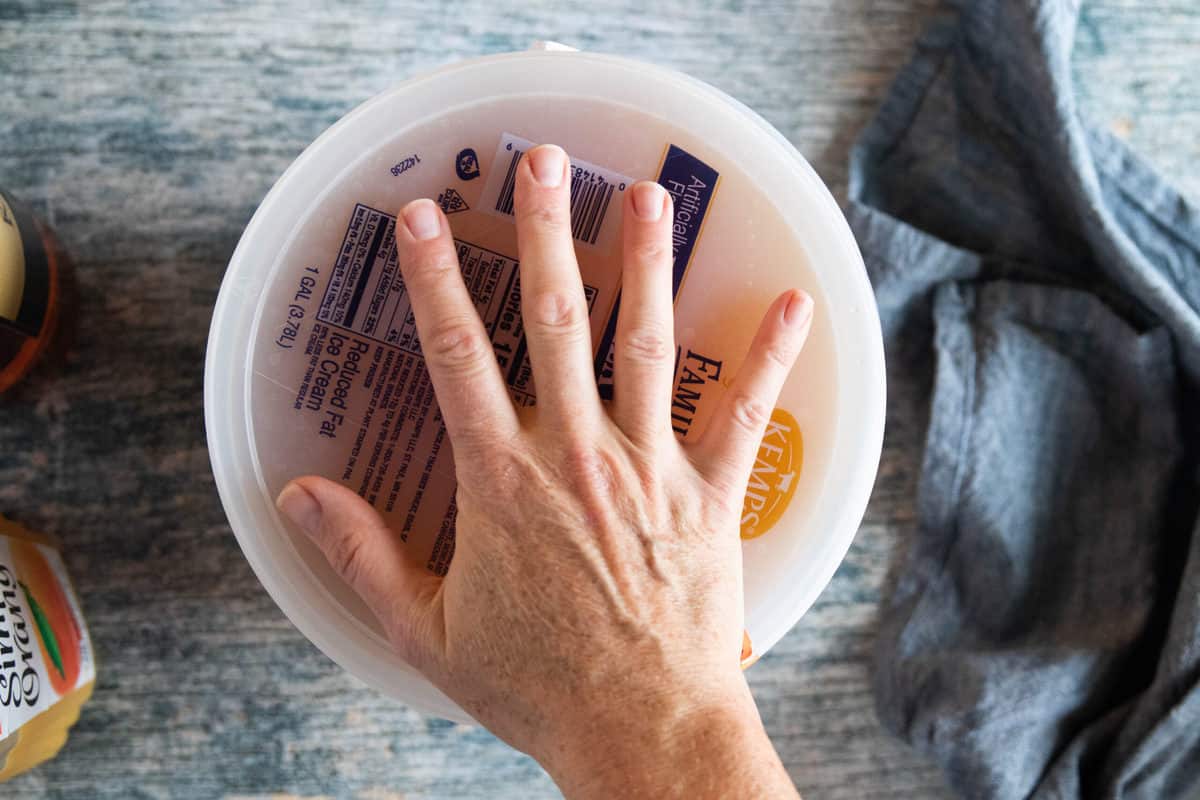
146 133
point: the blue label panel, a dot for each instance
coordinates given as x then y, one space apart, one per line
691 184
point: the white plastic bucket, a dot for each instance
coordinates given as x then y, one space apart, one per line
310 325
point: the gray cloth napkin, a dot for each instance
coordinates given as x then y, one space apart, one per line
1042 638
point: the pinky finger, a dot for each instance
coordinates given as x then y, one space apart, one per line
725 452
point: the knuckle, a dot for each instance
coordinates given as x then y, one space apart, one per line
557 313
456 344
647 344
748 412
345 555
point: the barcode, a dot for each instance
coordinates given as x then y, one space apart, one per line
591 194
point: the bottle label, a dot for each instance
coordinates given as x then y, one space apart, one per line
24 279
45 650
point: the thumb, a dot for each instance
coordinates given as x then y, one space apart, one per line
368 555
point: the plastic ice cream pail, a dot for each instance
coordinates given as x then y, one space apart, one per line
313 365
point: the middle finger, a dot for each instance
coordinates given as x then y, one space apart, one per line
552 304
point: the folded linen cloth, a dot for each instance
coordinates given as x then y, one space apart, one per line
1042 284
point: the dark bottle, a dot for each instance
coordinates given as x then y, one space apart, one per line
30 289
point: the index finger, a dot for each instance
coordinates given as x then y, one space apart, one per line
470 390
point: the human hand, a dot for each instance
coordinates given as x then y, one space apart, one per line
592 614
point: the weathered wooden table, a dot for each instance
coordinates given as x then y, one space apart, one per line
146 133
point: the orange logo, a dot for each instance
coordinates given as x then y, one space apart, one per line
58 634
776 471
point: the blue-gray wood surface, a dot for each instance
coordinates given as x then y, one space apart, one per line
146 133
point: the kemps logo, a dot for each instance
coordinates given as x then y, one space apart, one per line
775 474
58 632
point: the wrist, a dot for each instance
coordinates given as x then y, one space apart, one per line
680 744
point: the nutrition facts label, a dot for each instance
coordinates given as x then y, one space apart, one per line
367 296
362 379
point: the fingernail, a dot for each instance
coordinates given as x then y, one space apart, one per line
548 163
799 309
649 200
422 219
297 504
